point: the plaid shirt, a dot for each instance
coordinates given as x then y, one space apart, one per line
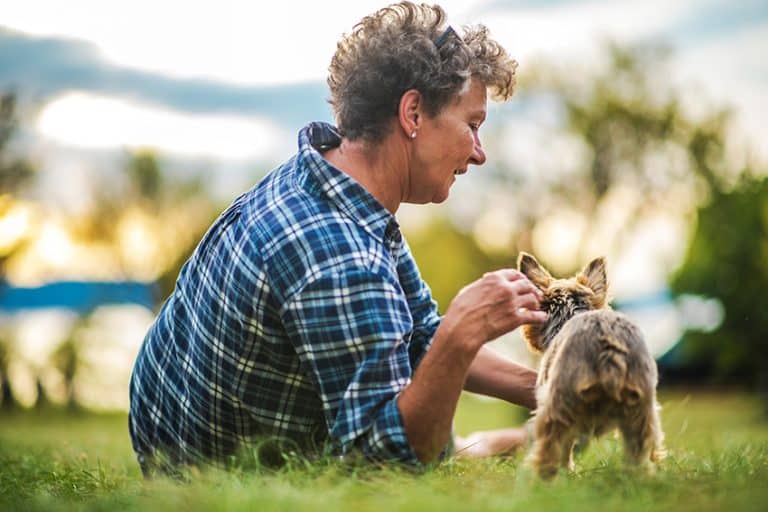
300 317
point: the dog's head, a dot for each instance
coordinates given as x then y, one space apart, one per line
563 298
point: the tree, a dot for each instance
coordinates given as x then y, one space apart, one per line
7 400
627 131
728 259
14 174
172 213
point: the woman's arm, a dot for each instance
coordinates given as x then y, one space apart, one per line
494 375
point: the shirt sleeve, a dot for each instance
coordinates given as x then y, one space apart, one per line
351 330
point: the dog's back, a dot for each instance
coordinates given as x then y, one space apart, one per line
598 367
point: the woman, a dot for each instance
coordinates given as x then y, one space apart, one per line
301 317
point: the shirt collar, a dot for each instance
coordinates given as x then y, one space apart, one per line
320 178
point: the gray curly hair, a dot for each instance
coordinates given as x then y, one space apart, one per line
406 46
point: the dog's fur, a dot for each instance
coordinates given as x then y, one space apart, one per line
596 373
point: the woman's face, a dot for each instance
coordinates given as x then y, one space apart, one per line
447 144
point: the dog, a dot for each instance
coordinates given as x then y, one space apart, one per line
595 374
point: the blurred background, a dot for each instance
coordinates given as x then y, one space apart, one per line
637 132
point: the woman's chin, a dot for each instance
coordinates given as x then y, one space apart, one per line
441 196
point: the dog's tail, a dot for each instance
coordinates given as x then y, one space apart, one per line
612 366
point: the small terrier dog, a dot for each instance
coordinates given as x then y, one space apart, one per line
595 374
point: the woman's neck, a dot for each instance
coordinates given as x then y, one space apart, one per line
380 169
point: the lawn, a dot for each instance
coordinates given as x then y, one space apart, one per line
718 460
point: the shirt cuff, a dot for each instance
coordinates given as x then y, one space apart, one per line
386 440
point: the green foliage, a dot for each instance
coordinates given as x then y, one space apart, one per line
145 176
728 259
621 119
633 134
7 400
719 460
13 172
449 259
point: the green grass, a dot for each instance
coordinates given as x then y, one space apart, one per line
718 461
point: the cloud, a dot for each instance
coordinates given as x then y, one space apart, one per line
47 67
730 71
93 122
560 29
716 18
224 40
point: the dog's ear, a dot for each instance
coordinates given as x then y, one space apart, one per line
531 268
593 277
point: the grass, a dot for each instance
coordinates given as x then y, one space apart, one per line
718 461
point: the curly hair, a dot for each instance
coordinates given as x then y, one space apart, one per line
396 49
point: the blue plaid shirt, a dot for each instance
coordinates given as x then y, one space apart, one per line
300 317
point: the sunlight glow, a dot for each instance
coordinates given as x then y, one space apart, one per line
14 225
140 245
54 245
99 122
557 237
52 254
494 231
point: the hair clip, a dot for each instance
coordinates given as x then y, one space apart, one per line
440 41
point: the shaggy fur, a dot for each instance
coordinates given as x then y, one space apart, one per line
596 373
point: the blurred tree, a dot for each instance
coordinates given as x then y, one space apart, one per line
42 401
639 136
67 359
145 177
7 399
15 173
160 197
728 259
173 213
626 127
189 196
449 259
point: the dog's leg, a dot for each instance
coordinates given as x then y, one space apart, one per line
658 452
569 441
549 446
643 437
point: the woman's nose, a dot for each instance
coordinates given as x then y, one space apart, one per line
478 155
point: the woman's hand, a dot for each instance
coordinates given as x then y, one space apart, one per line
495 304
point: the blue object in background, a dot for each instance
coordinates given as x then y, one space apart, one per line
77 296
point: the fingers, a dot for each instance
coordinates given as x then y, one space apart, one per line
523 286
527 301
531 316
511 274
526 309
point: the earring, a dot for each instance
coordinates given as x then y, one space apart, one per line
413 134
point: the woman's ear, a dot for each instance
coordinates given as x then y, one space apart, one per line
409 112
